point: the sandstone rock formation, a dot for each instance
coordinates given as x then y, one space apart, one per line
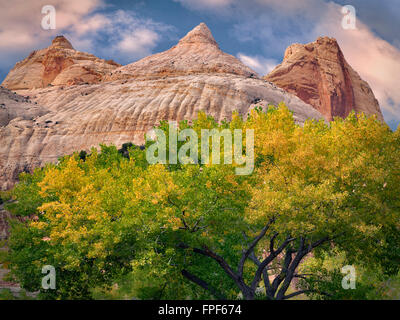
14 106
19 113
174 85
319 75
196 53
58 64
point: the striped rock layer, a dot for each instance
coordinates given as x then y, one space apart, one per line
129 101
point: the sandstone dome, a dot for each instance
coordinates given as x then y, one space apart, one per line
59 64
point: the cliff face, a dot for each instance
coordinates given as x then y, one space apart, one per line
173 85
319 75
17 114
14 106
59 64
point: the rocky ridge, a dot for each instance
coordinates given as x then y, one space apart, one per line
128 101
59 64
197 52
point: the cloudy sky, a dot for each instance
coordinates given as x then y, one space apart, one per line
255 31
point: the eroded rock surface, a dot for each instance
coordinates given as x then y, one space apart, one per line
13 106
319 74
59 64
124 106
197 52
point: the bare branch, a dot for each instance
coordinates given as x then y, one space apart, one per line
265 274
301 252
253 258
252 246
281 276
195 227
268 260
228 270
271 243
186 227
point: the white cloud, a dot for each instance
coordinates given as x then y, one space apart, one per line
138 43
260 64
91 24
129 37
21 31
24 17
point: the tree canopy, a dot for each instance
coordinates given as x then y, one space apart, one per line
114 226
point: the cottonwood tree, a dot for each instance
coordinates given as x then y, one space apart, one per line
179 231
318 187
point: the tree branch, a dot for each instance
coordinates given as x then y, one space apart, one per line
265 274
271 243
281 276
252 246
301 252
203 284
186 227
208 253
319 242
268 260
195 227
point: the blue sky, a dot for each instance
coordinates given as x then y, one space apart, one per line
256 31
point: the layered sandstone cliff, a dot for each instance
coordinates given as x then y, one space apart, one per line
14 106
17 115
319 74
174 85
59 64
